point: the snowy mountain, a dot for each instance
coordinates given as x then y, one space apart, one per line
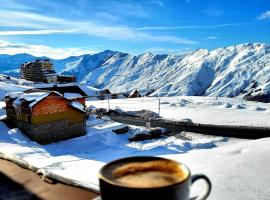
12 62
241 70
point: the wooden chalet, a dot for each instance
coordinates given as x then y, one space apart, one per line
47 116
134 94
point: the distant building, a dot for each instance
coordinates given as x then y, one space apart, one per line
105 94
42 70
38 71
47 116
134 94
66 79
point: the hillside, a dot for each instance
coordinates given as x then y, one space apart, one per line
241 70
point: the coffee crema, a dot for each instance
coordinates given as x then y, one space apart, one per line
158 173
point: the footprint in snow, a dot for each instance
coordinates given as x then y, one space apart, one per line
240 106
239 151
259 108
165 102
217 103
227 105
184 101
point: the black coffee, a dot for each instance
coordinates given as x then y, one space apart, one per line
150 174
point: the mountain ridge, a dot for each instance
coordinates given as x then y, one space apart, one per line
239 70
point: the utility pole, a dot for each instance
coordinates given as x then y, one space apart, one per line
108 104
158 106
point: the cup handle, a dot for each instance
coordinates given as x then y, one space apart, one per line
207 190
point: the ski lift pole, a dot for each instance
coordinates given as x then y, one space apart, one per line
108 104
158 106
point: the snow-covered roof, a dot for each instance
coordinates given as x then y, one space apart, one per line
133 92
33 97
90 91
14 94
77 105
36 98
72 95
46 85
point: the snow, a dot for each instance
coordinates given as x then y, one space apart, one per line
72 95
224 72
237 168
90 91
204 110
14 94
77 105
234 71
46 85
237 171
35 97
7 87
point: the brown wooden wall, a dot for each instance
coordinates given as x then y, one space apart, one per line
55 108
51 104
72 115
50 109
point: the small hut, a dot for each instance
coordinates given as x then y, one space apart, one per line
134 94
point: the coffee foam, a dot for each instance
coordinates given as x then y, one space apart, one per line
148 174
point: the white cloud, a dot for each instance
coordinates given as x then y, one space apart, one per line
41 50
211 37
264 15
34 32
188 27
28 20
51 25
157 2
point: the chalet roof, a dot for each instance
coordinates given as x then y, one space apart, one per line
72 95
85 91
13 94
63 88
90 91
135 91
34 90
37 95
77 106
33 97
36 98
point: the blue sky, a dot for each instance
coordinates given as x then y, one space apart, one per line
72 27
